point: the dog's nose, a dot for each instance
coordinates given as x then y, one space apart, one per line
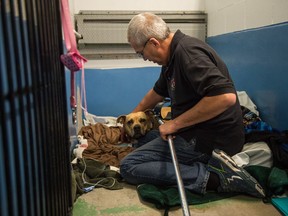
137 128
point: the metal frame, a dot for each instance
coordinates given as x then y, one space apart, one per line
35 167
105 32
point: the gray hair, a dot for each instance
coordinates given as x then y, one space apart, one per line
144 26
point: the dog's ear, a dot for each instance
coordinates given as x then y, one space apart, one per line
154 124
149 113
121 119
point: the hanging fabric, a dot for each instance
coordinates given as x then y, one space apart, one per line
75 62
72 59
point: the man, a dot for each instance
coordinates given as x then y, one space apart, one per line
206 116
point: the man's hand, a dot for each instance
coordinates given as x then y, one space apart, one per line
168 128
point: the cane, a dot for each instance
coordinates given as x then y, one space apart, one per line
184 204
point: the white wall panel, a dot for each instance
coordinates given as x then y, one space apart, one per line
147 5
234 17
213 19
226 16
258 13
280 11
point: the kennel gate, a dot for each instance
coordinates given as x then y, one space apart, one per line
35 177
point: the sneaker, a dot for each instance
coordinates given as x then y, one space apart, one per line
232 177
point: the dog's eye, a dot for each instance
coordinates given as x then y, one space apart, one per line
130 122
143 120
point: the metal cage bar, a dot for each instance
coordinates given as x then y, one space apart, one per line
35 177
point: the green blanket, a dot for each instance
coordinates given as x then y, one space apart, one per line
273 180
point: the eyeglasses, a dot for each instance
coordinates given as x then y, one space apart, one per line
141 54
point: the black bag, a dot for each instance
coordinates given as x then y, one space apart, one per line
277 141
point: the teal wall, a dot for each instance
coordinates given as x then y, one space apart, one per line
114 92
258 62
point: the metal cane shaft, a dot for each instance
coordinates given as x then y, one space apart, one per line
181 189
180 184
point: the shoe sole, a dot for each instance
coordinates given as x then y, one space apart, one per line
224 158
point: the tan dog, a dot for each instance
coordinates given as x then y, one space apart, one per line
138 124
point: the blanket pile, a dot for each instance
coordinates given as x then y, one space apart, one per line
104 144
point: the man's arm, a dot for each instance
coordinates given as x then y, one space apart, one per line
205 109
149 101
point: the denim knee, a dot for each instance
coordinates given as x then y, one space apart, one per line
151 135
125 170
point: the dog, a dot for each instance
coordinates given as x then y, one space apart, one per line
137 124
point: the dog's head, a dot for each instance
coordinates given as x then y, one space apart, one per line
137 124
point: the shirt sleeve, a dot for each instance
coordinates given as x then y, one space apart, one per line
207 79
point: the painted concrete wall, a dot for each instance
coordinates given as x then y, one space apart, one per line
149 5
114 92
258 63
256 57
225 16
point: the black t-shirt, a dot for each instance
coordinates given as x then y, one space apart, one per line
195 71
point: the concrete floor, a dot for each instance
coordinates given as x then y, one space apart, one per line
125 202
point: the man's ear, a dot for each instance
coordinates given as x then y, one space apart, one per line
154 42
121 119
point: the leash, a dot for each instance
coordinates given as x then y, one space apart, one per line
72 59
184 203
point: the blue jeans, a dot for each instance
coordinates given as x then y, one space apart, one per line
152 163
